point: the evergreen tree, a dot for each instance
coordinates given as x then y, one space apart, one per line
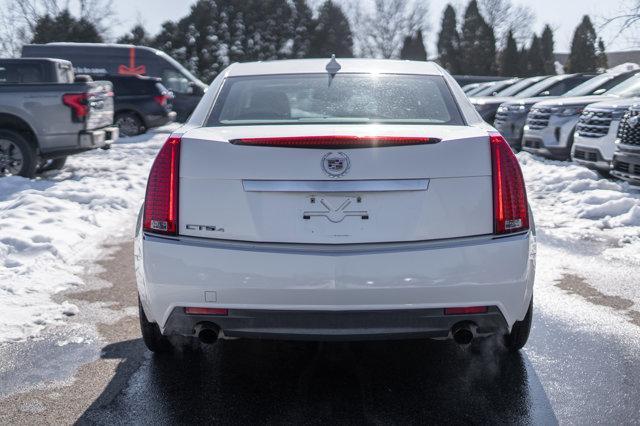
449 42
535 61
331 33
582 57
477 43
510 57
601 56
64 27
302 27
547 45
413 48
523 61
138 36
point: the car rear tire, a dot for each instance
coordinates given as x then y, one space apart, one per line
17 156
519 335
55 164
151 335
129 123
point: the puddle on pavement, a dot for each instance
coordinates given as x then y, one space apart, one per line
575 284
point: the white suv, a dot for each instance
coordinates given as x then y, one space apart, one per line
335 200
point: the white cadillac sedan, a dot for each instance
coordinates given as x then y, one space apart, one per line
334 199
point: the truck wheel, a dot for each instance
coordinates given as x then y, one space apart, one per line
151 335
55 164
129 124
519 335
17 156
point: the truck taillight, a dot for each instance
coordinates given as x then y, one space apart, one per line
161 200
162 99
510 208
78 102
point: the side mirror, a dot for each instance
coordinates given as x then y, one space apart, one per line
599 91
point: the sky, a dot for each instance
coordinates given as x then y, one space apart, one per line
562 15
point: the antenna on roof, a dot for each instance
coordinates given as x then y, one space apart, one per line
333 66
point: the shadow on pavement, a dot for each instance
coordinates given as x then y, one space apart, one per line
244 382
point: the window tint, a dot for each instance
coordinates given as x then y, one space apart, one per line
21 73
131 86
345 98
175 81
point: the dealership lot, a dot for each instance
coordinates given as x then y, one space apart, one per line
69 296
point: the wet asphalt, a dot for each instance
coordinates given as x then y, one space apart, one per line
564 375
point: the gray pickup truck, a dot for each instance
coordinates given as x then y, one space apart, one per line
46 115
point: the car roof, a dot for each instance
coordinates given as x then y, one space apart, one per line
314 66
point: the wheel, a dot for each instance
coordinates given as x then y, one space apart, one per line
519 335
54 164
17 156
151 335
129 123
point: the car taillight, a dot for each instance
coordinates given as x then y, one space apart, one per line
161 99
78 104
510 208
334 141
161 200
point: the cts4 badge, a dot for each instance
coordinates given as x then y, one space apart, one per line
336 164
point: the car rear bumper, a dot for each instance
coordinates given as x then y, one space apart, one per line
337 325
98 138
346 280
160 120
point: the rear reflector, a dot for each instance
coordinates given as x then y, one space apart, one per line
333 142
206 311
161 200
510 207
466 311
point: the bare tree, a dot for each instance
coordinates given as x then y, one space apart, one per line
18 18
380 26
626 19
503 15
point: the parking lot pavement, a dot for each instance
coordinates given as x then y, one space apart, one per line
568 373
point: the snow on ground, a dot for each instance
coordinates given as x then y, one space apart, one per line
52 226
573 205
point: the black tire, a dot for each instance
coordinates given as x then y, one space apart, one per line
130 123
55 164
151 335
12 146
519 335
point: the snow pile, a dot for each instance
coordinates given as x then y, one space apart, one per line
51 226
572 204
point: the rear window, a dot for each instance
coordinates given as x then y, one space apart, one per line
345 98
21 73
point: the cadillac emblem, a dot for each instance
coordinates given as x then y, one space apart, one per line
335 164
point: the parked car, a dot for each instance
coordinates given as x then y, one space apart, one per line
140 103
597 129
45 116
551 124
488 105
100 60
469 87
626 158
512 114
492 89
373 207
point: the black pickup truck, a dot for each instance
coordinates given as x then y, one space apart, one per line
45 115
